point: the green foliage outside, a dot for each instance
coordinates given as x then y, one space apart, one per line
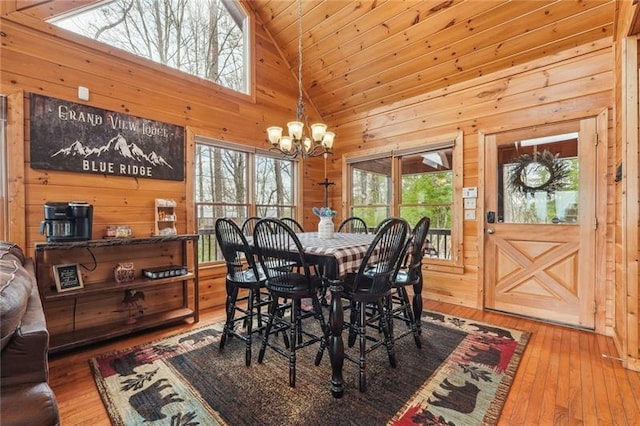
423 194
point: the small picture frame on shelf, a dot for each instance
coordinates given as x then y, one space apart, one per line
67 277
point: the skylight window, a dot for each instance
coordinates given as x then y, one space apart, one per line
205 38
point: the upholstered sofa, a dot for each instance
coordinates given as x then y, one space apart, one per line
25 395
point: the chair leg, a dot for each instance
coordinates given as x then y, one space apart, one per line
414 322
317 313
232 294
249 321
273 309
408 316
417 304
386 329
353 319
293 334
362 334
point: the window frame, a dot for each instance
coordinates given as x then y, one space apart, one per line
252 207
455 263
170 72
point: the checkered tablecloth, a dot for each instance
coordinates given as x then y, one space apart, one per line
347 249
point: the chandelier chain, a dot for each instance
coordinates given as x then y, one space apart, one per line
300 109
297 144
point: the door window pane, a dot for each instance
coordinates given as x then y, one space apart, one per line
538 182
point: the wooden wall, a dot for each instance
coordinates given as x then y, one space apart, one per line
36 57
39 58
627 215
576 83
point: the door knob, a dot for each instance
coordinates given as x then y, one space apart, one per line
490 231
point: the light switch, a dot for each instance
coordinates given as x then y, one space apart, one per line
83 93
469 203
470 192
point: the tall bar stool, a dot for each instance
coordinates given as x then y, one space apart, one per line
293 224
289 280
249 224
353 224
409 273
242 274
371 287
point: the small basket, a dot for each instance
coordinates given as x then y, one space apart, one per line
124 272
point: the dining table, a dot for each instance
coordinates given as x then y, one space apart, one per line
336 256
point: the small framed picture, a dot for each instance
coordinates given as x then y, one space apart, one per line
67 277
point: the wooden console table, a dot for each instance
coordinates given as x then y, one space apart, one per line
95 311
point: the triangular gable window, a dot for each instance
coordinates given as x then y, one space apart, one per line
204 38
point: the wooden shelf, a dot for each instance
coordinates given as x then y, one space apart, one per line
87 336
165 213
107 242
108 253
96 288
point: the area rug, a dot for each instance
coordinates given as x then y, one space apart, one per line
460 376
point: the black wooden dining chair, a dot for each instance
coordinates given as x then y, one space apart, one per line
381 224
249 224
354 225
243 274
371 286
289 280
293 224
409 273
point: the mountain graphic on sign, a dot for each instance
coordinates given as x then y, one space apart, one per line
117 145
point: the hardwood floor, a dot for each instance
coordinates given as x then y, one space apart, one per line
566 376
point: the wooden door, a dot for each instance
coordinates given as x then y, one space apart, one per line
540 225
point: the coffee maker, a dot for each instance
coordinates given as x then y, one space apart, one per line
67 221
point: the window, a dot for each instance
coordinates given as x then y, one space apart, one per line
426 189
371 189
204 38
539 180
237 182
412 182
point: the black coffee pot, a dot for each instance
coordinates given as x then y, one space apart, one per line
67 221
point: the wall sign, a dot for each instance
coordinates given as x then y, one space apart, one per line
79 138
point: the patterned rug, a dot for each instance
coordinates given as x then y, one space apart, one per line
460 376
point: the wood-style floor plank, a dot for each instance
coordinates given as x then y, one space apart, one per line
563 379
576 389
561 407
550 384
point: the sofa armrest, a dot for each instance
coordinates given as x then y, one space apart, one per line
24 359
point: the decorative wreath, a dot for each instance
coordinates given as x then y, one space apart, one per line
552 171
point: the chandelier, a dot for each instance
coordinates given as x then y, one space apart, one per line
297 144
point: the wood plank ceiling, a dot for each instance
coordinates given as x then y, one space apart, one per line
361 55
365 54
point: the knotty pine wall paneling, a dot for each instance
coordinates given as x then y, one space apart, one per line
40 58
575 83
626 224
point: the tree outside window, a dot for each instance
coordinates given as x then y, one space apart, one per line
426 189
238 184
410 183
204 38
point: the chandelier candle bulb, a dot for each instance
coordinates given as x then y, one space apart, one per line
295 129
275 133
318 131
285 143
